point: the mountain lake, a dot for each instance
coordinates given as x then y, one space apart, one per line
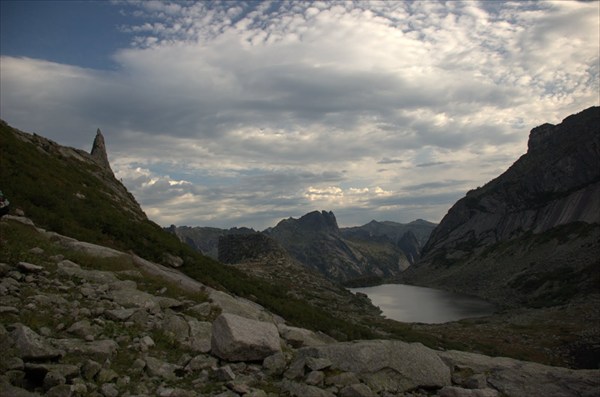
412 304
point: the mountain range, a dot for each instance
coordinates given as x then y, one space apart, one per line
355 256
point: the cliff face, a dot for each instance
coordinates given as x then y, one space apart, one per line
556 183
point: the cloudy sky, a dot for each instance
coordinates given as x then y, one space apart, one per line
243 113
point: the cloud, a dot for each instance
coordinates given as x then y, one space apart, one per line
224 112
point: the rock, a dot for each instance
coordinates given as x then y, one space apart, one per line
52 379
301 390
60 391
520 378
239 306
201 362
454 391
343 379
119 314
299 337
236 338
176 326
200 336
29 267
386 364
109 390
172 260
90 369
274 364
162 369
98 151
135 298
315 378
99 350
202 309
82 329
106 375
317 364
225 373
356 390
9 390
31 346
71 269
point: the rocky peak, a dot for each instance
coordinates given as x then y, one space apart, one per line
316 221
99 150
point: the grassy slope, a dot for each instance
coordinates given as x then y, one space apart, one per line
46 187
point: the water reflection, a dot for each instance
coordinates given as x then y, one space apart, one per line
409 303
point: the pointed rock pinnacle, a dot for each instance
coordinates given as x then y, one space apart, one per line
99 150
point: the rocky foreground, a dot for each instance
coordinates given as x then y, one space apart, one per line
77 319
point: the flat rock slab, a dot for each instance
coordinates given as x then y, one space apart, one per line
517 378
99 350
236 338
385 364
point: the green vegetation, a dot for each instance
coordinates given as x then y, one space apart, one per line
48 186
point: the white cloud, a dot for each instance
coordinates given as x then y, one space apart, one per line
258 109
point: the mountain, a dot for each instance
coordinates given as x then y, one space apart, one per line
530 236
205 239
316 241
409 237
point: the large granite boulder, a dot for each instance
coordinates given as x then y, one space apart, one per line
385 365
31 346
236 338
517 378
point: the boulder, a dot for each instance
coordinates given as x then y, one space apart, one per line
200 336
356 390
520 378
31 346
385 365
300 337
236 338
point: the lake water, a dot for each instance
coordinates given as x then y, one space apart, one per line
412 304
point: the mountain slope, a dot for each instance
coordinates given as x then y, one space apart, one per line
316 241
530 236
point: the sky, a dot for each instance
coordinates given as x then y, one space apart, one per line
231 113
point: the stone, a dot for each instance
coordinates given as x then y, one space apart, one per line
224 373
520 378
236 338
302 390
90 369
201 309
106 375
200 336
317 364
172 260
238 306
98 151
109 390
69 269
119 314
201 362
31 346
60 391
343 379
315 378
82 328
455 391
52 379
27 267
176 326
36 251
356 390
300 337
98 350
161 369
134 298
274 364
386 364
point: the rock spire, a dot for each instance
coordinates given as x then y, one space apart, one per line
99 150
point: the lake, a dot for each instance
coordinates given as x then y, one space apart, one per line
412 304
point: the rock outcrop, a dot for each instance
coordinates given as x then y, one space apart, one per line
552 191
99 151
